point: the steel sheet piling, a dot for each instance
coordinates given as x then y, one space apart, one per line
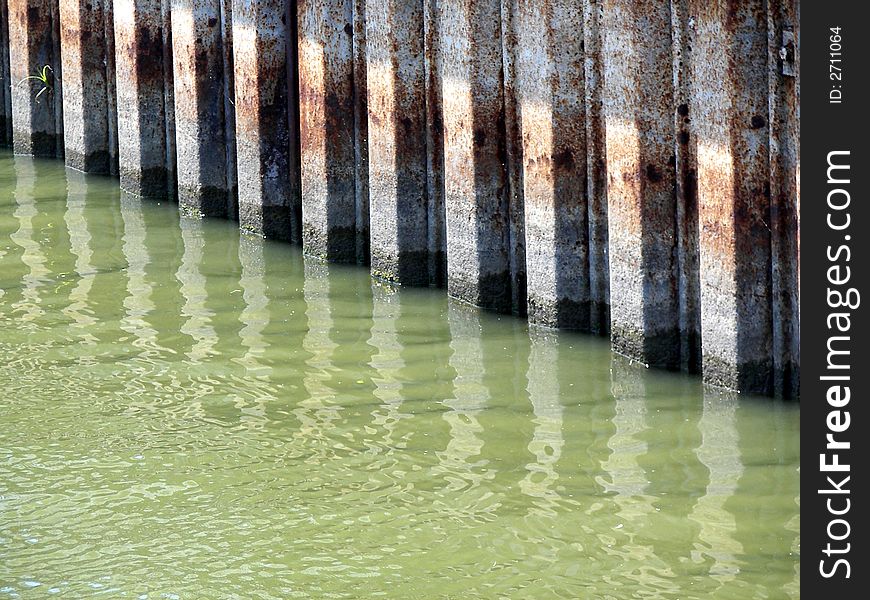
550 69
197 53
475 171
397 141
37 108
730 93
268 166
143 154
327 132
644 310
88 144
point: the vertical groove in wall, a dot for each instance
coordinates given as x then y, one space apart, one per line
514 157
54 11
360 134
295 175
784 142
108 31
436 210
5 79
686 213
596 169
169 101
226 25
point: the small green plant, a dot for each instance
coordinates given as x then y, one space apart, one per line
44 76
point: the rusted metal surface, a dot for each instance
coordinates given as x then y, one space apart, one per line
436 212
688 281
638 105
475 173
269 196
326 133
5 83
88 146
550 86
514 156
784 144
396 81
199 107
596 169
37 123
730 91
142 117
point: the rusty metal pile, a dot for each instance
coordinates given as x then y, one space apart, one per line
624 167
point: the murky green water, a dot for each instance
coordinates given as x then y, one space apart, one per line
188 414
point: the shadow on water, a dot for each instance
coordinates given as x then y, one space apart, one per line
188 410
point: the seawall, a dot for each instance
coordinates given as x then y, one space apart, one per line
624 168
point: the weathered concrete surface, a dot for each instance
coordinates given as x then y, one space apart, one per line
197 52
782 21
37 123
397 141
514 155
550 87
638 104
268 167
596 169
89 146
686 166
436 211
143 118
5 83
730 90
327 133
497 128
475 173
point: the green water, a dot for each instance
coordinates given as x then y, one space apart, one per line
187 413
